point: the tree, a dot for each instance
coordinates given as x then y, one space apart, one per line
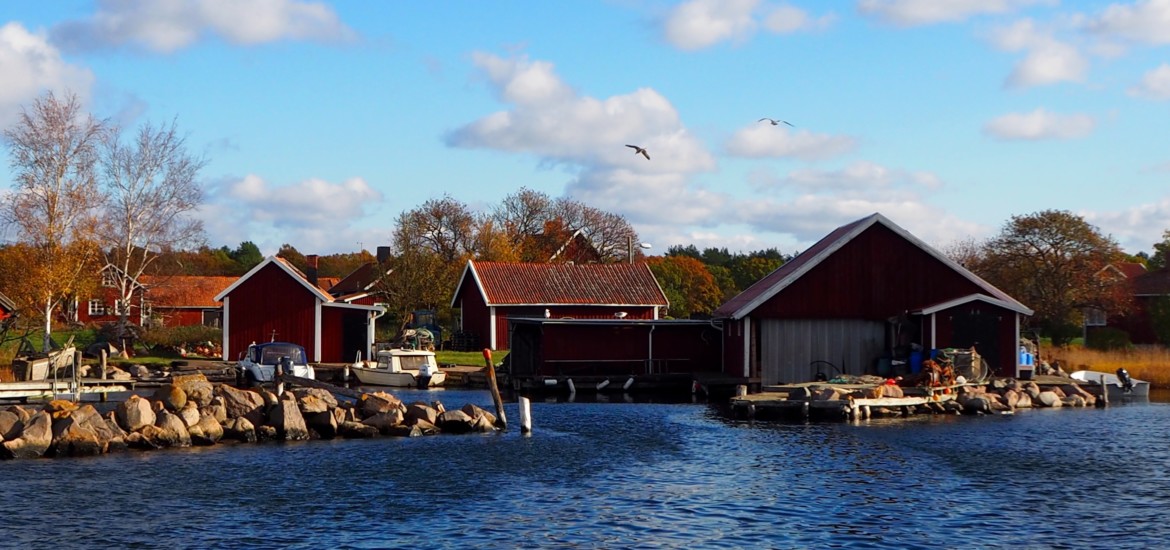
610 234
246 256
688 285
1161 252
443 226
151 190
1050 261
289 253
54 149
746 270
520 216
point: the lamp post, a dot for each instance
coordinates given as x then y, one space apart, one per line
630 247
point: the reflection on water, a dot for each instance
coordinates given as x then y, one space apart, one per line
621 474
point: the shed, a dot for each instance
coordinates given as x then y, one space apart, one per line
275 301
490 293
183 300
868 291
586 349
1151 303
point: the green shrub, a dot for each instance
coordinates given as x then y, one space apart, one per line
1108 338
175 337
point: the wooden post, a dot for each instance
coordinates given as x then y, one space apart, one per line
741 390
76 375
501 422
525 416
103 356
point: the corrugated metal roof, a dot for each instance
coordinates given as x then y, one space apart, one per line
753 296
504 283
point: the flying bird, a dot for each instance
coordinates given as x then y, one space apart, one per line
639 151
775 122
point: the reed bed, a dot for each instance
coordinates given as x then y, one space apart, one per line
1150 363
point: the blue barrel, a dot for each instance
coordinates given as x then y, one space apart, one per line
915 362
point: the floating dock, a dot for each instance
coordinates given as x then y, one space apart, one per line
44 390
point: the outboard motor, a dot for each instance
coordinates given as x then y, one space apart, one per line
1125 380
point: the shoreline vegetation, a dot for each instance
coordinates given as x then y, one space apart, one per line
1149 363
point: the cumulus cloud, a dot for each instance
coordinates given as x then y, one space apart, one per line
1136 229
1145 21
315 212
698 24
1047 60
859 177
1155 83
908 13
768 141
31 65
1039 124
168 25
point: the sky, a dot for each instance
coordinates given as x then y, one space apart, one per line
322 121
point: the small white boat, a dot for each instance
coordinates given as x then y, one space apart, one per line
42 366
401 368
259 363
1119 387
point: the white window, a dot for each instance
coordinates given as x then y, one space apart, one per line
118 307
108 279
96 308
1094 317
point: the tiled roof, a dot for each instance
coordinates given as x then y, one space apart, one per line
771 284
358 281
326 283
504 283
1152 283
1130 269
184 290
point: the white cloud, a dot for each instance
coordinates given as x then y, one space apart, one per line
1047 60
764 140
859 177
909 13
169 25
1136 229
30 65
1146 21
314 215
697 24
1155 83
1038 125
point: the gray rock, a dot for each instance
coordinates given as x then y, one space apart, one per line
323 395
475 411
357 430
134 413
1049 399
384 421
34 439
456 422
419 411
216 409
172 431
403 430
10 425
240 429
196 387
206 431
378 402
73 436
242 403
190 414
323 423
171 396
287 419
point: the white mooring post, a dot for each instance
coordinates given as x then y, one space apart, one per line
572 388
601 385
525 416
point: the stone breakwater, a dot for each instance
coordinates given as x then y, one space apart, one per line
193 411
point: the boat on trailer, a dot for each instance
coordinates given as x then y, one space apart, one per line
401 368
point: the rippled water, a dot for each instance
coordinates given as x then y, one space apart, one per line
625 474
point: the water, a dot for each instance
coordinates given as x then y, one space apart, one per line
655 475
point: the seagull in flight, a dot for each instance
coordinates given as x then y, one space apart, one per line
639 151
775 122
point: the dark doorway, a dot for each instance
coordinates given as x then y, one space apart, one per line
978 328
353 336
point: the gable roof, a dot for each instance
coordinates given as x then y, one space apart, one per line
6 304
184 290
359 281
285 266
509 283
1127 270
761 291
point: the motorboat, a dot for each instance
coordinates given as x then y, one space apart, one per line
259 363
402 368
1119 385
42 366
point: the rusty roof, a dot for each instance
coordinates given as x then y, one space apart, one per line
508 283
771 284
184 290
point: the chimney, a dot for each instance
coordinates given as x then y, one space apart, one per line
383 254
311 269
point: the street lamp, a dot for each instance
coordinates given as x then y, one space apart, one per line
630 247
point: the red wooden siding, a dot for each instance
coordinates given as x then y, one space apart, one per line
475 315
504 313
874 276
267 303
1000 351
615 348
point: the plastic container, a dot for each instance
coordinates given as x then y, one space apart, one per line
915 362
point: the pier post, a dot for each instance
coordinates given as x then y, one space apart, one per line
501 421
525 416
572 388
103 357
601 385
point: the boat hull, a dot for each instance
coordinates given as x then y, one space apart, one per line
1112 383
401 379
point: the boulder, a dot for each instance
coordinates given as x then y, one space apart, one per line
456 422
240 429
1074 401
357 430
196 387
171 396
402 430
438 406
21 412
242 404
190 414
312 404
115 373
419 411
323 423
1074 389
476 412
73 436
1048 399
60 408
1025 401
287 419
324 395
378 402
892 390
116 438
384 420
172 431
266 433
482 423
1011 398
1059 392
140 371
215 409
34 439
427 428
976 405
270 399
10 425
134 413
1032 389
206 431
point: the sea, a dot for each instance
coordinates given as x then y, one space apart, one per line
625 472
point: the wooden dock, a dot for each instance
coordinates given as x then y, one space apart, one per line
48 389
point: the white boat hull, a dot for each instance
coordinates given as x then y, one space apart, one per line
401 379
1112 383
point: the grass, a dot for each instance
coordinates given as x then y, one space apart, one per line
1150 363
472 358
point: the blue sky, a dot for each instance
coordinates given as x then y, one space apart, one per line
322 121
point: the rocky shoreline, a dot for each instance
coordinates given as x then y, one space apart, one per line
190 410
